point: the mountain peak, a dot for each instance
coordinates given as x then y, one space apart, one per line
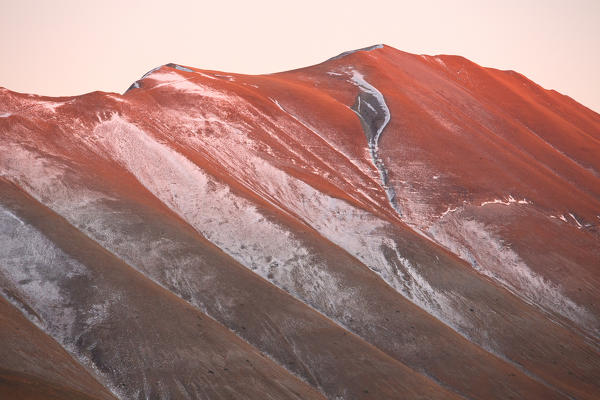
365 49
387 225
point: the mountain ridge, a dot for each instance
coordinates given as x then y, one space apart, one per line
441 213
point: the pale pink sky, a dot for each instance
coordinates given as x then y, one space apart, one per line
73 47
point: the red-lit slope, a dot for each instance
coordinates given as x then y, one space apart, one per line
381 225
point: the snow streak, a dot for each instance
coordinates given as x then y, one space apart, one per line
374 116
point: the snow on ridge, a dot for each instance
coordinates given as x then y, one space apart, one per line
179 67
155 74
347 53
510 200
187 85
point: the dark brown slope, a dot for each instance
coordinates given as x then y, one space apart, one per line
34 367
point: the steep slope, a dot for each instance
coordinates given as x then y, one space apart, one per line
32 366
381 225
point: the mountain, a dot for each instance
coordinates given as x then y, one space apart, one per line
382 225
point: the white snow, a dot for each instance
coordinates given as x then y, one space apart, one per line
187 85
449 210
495 201
510 200
227 77
51 105
579 224
117 98
10 214
181 68
440 61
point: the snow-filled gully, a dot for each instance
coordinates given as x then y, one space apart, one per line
374 116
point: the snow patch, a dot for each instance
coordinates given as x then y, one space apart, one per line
186 85
227 77
440 61
475 243
579 224
117 98
179 67
448 211
510 200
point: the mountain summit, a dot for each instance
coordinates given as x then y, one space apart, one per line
382 225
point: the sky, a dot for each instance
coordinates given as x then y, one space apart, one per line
66 47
